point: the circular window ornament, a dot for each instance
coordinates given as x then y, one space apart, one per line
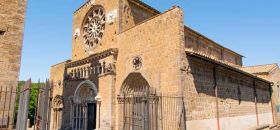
137 63
93 27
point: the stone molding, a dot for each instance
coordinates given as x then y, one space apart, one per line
85 68
96 56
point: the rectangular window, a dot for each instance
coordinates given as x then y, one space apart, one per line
278 90
2 32
278 108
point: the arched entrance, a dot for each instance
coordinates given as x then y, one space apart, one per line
139 104
84 107
57 112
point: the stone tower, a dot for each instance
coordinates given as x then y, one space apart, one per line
12 15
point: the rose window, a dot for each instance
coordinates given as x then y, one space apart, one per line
93 28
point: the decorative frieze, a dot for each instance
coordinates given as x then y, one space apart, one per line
88 71
95 65
93 57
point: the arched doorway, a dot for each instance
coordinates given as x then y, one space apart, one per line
139 104
84 107
57 112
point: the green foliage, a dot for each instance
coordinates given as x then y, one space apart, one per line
20 84
32 100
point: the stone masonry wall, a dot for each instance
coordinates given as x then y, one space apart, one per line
57 83
275 78
129 14
57 78
105 85
159 43
160 51
132 14
235 98
196 42
111 30
12 15
68 92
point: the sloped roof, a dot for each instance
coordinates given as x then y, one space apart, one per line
210 40
140 3
260 68
221 63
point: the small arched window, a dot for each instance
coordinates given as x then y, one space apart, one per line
57 112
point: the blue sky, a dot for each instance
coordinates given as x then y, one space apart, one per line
249 27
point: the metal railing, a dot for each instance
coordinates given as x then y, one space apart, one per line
23 106
151 112
7 99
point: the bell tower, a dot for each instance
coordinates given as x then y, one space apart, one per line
12 15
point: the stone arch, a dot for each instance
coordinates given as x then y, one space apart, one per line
57 112
135 83
58 102
85 92
84 106
138 101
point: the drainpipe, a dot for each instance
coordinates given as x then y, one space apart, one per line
256 106
216 94
272 103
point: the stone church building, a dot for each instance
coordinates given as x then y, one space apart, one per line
135 68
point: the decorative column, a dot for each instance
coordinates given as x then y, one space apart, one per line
98 104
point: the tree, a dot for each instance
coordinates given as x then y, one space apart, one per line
32 100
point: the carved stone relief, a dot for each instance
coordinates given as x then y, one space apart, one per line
93 27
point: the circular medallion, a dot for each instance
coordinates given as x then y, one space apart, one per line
137 63
93 27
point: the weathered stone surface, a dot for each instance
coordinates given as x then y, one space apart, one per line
270 72
138 40
12 14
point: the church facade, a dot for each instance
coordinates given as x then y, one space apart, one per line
135 68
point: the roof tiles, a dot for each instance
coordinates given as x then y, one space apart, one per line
260 68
